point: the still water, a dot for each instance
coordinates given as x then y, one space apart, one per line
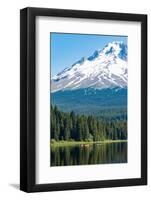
90 154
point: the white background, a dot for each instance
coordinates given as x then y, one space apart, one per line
9 99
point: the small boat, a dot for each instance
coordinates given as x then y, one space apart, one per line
85 145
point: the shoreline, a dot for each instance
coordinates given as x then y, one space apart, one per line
74 143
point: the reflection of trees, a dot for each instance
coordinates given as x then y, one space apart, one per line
93 154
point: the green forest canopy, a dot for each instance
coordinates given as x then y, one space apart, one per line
71 126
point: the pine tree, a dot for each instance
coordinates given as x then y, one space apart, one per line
86 130
65 126
79 129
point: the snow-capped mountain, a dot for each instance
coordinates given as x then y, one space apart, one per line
106 68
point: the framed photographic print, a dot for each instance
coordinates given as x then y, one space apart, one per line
83 99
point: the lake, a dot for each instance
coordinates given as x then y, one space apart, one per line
89 154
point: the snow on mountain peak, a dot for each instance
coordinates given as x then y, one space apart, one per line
103 69
94 55
117 48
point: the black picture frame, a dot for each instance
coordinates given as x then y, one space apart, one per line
28 99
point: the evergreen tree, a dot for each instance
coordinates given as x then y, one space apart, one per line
65 126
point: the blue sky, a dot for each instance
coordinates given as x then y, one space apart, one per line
66 49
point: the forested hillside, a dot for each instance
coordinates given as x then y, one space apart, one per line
71 126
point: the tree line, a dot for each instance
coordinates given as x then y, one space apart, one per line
71 126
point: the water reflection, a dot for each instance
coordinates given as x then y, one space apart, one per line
92 154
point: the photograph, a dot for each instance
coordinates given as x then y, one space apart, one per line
88 99
83 99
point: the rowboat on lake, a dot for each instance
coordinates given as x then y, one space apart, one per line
85 145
